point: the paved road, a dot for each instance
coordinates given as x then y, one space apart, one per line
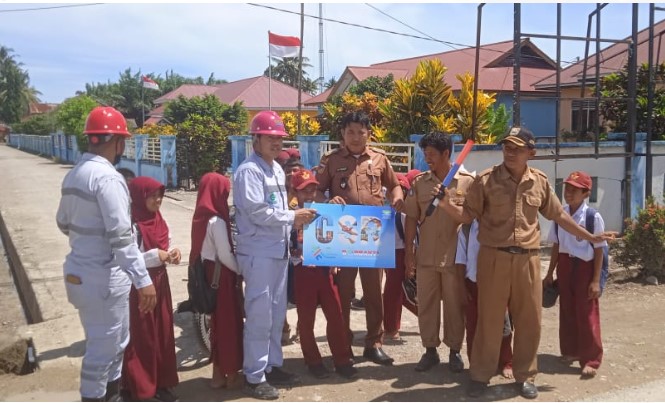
28 203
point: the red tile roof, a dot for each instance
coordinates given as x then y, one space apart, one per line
495 73
363 73
36 108
188 91
612 59
492 75
319 99
252 92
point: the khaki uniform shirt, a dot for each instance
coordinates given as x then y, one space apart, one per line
438 232
507 210
356 180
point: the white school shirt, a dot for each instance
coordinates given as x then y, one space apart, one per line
150 257
571 245
216 242
467 251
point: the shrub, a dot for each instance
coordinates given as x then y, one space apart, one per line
308 126
205 146
644 241
156 130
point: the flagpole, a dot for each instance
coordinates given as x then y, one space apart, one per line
142 104
302 31
269 76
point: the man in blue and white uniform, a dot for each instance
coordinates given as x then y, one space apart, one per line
264 223
104 260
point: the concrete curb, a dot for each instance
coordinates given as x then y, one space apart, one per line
26 293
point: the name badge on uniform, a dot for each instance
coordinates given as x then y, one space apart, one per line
342 169
272 199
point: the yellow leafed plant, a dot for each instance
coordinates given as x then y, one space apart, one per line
309 126
461 109
157 130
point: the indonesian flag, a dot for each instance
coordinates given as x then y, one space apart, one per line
283 46
148 83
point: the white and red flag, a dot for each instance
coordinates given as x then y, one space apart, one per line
283 46
148 83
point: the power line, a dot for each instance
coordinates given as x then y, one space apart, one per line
353 24
15 10
410 27
426 38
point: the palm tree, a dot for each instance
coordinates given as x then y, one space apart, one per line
330 83
286 70
16 94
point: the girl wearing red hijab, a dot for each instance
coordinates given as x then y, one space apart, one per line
150 368
211 238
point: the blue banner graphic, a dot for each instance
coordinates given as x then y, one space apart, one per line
350 236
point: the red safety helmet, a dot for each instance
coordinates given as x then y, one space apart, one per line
267 122
106 120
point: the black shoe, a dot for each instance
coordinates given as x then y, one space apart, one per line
262 391
113 392
476 389
455 362
376 355
165 395
528 390
427 361
357 304
347 371
279 377
319 371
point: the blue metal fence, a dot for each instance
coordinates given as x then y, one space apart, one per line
157 160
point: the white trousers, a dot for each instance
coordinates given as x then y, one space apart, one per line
104 314
265 308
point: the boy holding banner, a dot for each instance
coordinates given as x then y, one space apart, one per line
354 174
434 258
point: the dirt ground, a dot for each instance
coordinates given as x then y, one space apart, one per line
632 326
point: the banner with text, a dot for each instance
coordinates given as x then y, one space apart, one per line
350 236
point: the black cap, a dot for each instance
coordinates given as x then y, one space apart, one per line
521 137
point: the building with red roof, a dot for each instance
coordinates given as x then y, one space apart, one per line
252 92
538 106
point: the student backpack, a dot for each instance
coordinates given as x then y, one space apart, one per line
590 223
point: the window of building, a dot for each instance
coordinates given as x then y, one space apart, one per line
583 116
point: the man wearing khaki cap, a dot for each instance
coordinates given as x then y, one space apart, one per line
506 200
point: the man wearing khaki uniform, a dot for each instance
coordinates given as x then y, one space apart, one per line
354 174
438 278
506 200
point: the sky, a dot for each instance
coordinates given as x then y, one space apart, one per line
65 48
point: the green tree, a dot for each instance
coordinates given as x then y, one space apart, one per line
71 116
16 94
286 70
205 145
178 110
382 87
43 125
419 104
330 83
615 109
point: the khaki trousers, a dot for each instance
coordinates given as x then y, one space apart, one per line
434 286
511 280
370 280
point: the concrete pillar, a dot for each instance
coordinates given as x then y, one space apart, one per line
167 147
310 149
239 146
